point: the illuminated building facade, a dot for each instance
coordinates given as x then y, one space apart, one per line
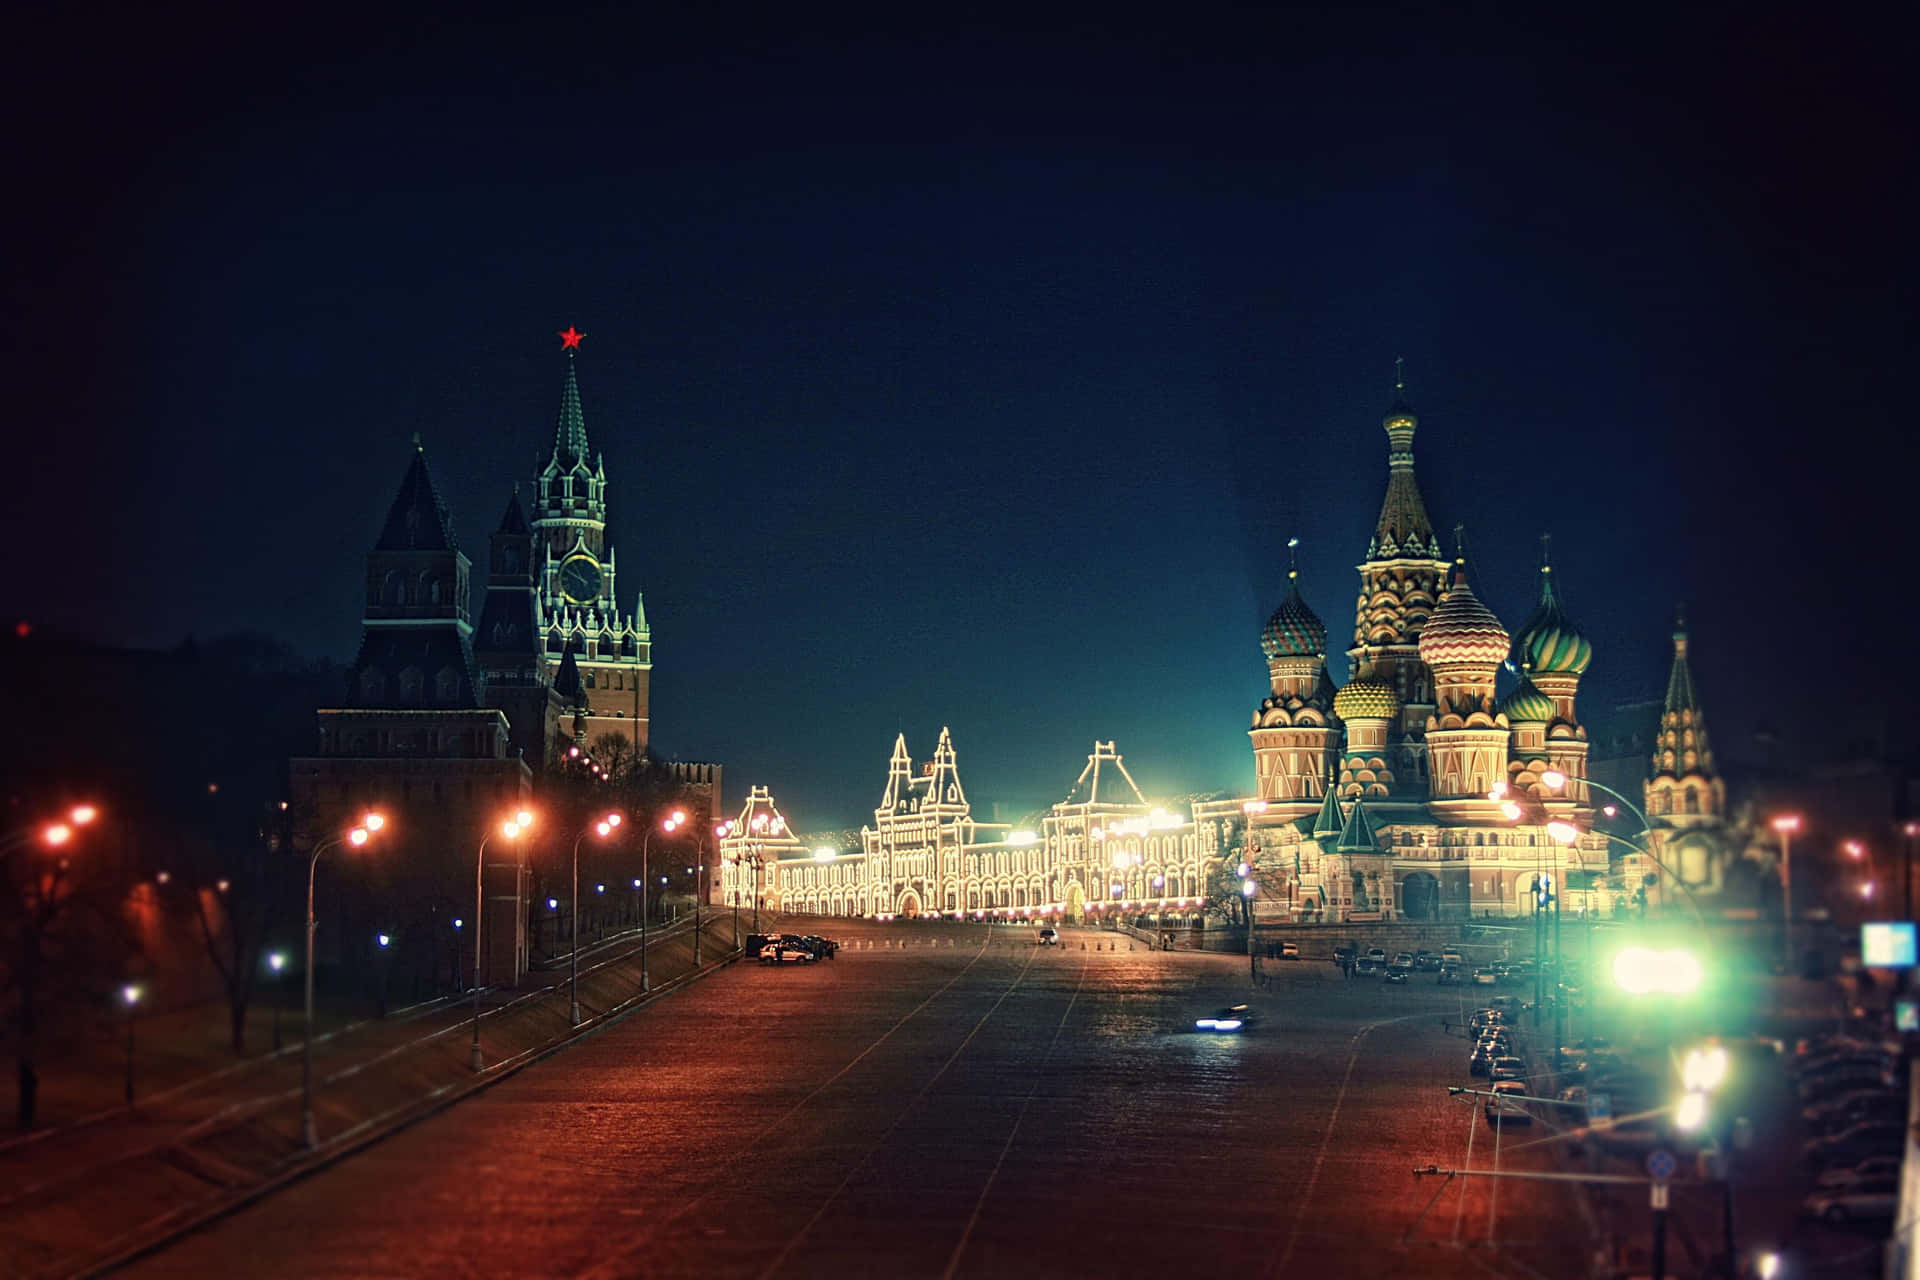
1416 790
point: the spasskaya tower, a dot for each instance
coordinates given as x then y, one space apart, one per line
576 575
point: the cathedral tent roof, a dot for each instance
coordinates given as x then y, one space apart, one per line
1358 836
515 519
417 520
570 437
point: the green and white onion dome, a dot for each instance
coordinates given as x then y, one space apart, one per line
1550 643
1366 697
1526 704
1463 633
1293 631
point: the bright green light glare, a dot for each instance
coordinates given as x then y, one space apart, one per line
1639 971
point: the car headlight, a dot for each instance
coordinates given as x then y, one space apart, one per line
1227 1024
1205 1024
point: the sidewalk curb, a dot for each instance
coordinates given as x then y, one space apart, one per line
191 1219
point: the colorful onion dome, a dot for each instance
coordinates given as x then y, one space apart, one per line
1526 703
1463 632
1293 631
1366 697
1549 642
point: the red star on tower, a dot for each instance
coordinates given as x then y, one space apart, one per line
570 338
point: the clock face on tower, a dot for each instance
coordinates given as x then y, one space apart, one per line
580 579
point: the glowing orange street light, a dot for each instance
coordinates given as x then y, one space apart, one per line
511 829
82 814
57 834
357 837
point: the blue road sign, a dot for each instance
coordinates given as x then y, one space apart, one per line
1600 1110
1661 1164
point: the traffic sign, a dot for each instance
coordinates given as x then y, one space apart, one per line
1600 1110
1658 1198
1661 1164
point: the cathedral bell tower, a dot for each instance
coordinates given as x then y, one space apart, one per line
1293 733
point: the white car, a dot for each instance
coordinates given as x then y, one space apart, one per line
785 953
1509 1068
1485 977
1878 1199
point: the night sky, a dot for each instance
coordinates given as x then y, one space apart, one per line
978 375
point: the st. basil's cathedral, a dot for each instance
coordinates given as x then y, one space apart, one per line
1413 791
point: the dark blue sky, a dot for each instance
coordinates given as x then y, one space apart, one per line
977 376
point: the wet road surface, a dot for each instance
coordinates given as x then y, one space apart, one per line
965 1104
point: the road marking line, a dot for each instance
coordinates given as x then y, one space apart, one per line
973 1219
1320 1156
898 1120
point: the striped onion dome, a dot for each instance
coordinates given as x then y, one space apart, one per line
1293 631
1463 632
1366 697
1550 643
1526 704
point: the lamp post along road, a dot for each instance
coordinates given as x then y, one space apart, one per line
602 828
1785 825
672 822
358 836
511 829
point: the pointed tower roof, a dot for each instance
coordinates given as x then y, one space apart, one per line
943 781
417 520
1358 836
899 776
1549 643
1403 527
515 518
1328 825
566 680
570 438
1463 632
1680 695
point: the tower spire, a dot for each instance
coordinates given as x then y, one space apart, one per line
570 438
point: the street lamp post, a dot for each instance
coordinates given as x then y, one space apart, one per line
1785 825
358 836
1247 889
511 830
277 962
669 824
602 828
130 997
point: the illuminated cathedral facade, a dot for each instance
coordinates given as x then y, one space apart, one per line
1415 790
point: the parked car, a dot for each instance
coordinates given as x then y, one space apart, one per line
1377 954
825 948
1858 1111
1480 1019
1453 958
1425 962
1289 951
1484 976
1853 1075
784 952
1871 1169
1449 976
1851 1146
1049 938
1403 960
1504 1108
1509 1068
1866 1200
1397 975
